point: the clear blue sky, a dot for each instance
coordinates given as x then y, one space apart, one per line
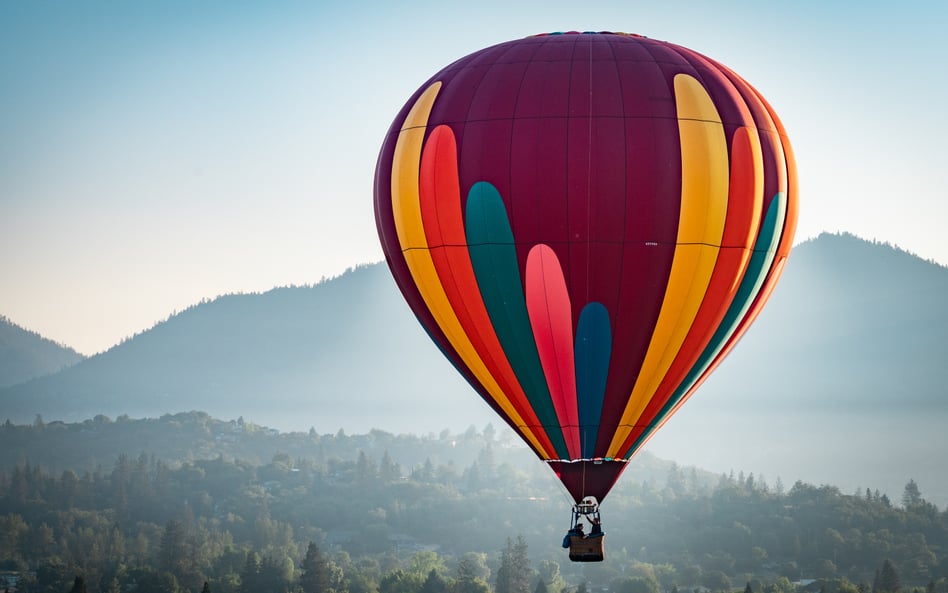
156 153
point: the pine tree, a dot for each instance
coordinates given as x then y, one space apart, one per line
911 496
778 487
172 554
487 463
888 579
271 576
78 585
427 471
514 574
315 577
388 469
250 575
435 583
365 469
522 572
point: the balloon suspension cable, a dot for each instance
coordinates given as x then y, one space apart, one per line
564 491
584 479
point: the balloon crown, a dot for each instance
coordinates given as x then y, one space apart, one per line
620 33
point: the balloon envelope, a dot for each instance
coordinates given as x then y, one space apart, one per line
585 224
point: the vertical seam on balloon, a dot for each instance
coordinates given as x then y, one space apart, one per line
407 216
589 149
588 238
586 296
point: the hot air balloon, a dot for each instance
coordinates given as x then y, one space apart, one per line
585 224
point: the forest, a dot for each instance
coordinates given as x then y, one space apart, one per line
189 503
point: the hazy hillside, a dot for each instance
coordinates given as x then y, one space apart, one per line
25 354
346 353
842 379
98 443
862 321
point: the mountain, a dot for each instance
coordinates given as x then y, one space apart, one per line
868 321
346 353
25 355
841 380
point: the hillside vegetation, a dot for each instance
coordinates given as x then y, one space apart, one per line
365 506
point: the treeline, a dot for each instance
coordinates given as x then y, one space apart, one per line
174 438
367 513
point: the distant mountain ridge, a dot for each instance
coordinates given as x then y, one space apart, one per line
844 369
25 355
292 357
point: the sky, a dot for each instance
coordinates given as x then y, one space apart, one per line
155 154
